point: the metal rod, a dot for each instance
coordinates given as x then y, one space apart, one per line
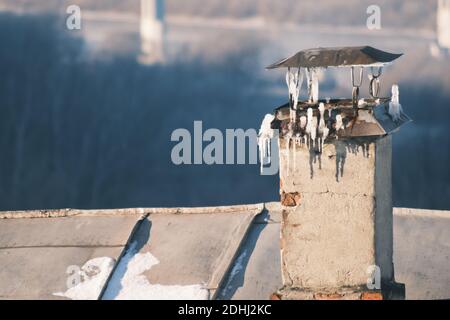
355 91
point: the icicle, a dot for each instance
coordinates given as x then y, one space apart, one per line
322 117
308 129
395 108
264 137
290 82
262 151
288 79
308 82
294 82
314 130
312 77
298 85
322 125
315 86
302 122
321 109
324 136
338 122
309 113
292 115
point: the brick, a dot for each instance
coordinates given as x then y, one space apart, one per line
290 199
371 296
328 296
275 296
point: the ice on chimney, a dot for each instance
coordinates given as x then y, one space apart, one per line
395 108
302 122
266 133
312 76
313 130
294 82
324 136
339 124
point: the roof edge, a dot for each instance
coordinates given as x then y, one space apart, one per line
69 212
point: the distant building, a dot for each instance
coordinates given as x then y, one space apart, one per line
152 31
443 23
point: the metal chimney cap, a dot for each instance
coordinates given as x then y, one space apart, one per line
337 57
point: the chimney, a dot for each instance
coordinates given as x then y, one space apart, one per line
335 181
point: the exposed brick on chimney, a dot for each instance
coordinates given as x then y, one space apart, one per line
291 199
371 296
275 296
328 296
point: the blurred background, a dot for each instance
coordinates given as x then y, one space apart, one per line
86 115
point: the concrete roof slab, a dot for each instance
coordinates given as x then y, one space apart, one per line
422 252
39 273
67 231
251 276
193 248
35 253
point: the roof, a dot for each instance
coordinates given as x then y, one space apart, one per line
336 57
229 252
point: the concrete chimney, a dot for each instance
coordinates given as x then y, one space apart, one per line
337 229
335 186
